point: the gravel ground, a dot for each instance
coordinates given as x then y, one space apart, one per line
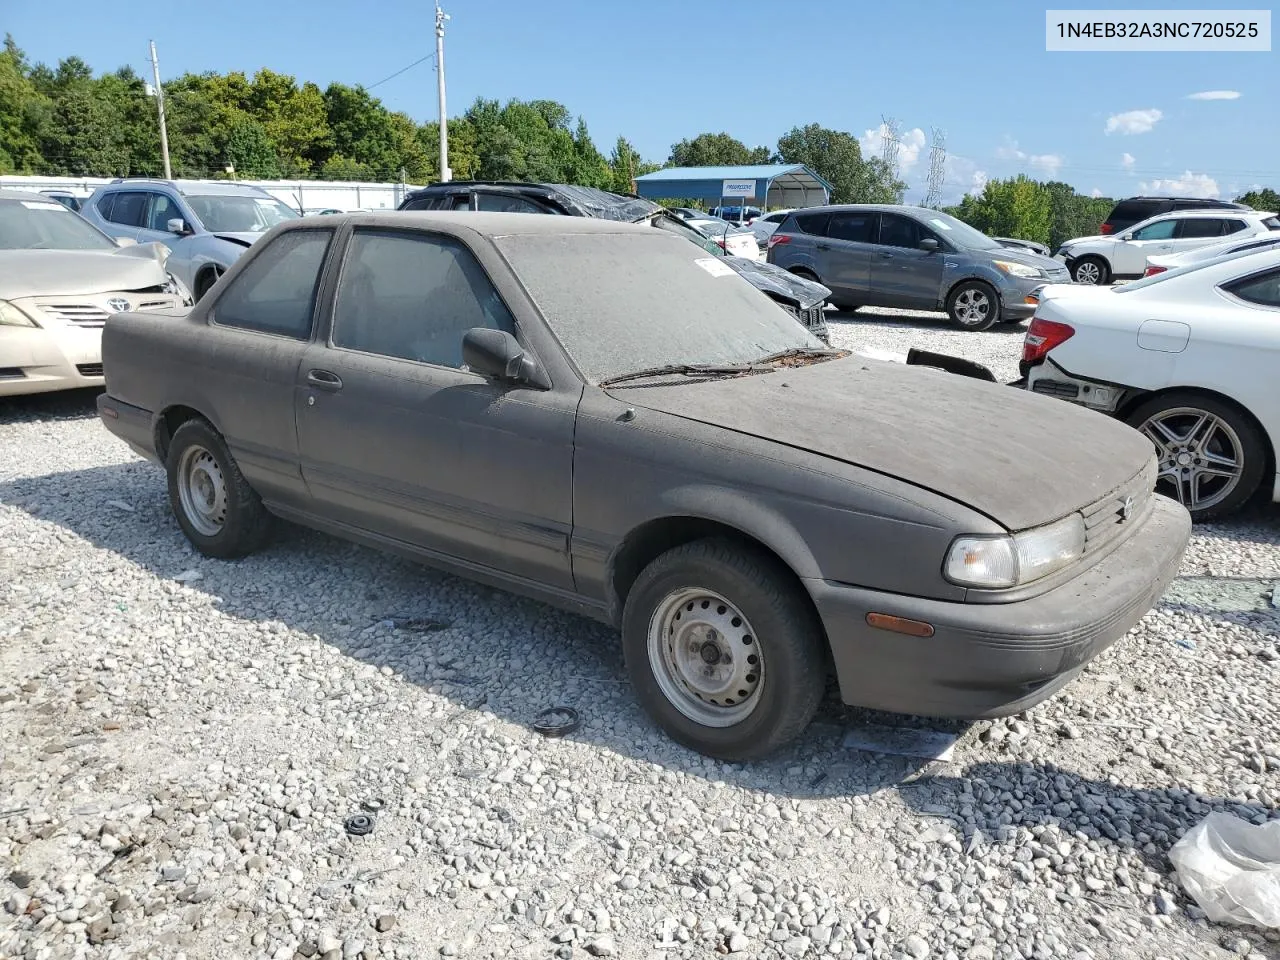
181 741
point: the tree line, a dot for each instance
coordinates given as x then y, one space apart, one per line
67 121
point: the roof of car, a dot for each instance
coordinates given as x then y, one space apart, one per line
1211 214
891 207
191 187
487 224
7 194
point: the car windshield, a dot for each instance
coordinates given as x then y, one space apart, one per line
960 233
625 302
46 225
224 213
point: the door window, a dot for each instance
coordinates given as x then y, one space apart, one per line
413 296
899 231
1262 289
852 226
161 211
129 209
813 223
276 292
1160 230
421 203
1234 226
1200 227
501 203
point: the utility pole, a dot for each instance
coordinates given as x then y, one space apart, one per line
164 133
445 173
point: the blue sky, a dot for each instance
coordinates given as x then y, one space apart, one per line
663 70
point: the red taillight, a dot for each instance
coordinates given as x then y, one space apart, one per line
776 239
1152 271
1042 336
1106 228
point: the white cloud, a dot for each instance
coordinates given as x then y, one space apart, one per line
1133 121
1215 95
977 182
910 145
1048 163
1009 151
1188 185
1095 193
1127 160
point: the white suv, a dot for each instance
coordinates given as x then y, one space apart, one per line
1124 256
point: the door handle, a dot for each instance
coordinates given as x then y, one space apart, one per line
324 380
886 256
824 246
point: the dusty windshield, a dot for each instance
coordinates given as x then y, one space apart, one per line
621 302
233 214
46 225
960 233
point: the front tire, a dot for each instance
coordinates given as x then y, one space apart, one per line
206 281
723 649
1091 270
214 505
973 305
1212 456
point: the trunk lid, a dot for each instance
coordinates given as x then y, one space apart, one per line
1020 459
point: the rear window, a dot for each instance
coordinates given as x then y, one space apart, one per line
813 223
1271 223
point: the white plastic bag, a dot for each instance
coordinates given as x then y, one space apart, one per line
1231 868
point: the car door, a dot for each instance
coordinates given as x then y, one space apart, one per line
259 325
903 275
1196 232
1129 256
161 208
126 213
398 439
844 254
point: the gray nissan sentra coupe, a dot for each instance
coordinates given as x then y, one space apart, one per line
601 416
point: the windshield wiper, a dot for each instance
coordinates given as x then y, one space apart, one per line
798 352
687 369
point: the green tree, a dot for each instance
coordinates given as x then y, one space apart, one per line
362 129
624 166
715 150
1017 207
339 167
837 157
89 137
24 111
1264 199
250 149
590 168
294 118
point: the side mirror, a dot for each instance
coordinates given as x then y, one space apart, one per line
124 241
177 225
930 245
497 354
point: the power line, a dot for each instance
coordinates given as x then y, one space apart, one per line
430 56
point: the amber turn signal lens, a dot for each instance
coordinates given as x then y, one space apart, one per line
912 628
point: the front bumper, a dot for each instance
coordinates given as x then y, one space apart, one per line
996 659
1014 292
36 360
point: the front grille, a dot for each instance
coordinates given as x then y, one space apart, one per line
156 304
811 318
81 314
11 373
89 369
1108 518
1056 388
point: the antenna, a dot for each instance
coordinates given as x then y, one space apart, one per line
937 168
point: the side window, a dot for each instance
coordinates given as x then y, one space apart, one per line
813 223
276 293
459 201
500 203
1198 227
775 218
421 203
852 226
1262 289
898 231
413 296
104 205
1160 230
1234 226
161 211
129 209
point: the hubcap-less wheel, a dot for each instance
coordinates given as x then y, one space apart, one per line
202 490
705 657
972 306
1088 272
1201 456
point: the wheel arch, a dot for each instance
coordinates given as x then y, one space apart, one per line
168 422
1130 404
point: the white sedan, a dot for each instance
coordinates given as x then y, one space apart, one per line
1099 260
1190 357
734 242
1174 260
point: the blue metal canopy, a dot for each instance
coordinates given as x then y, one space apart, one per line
773 185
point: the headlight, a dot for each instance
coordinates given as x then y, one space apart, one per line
11 316
996 562
1019 269
170 284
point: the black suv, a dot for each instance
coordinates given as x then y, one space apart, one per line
803 299
1136 209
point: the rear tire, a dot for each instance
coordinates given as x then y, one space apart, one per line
723 649
214 505
973 305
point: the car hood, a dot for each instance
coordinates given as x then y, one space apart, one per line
1079 240
1018 458
1024 256
73 273
773 279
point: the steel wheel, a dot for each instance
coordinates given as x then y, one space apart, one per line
202 490
705 657
1201 456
